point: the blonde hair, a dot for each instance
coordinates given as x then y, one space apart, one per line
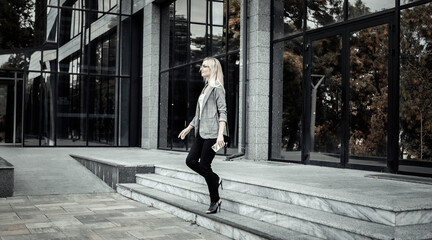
216 78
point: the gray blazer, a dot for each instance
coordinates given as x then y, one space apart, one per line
214 110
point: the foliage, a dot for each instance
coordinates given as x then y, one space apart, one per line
368 95
16 24
416 83
292 98
369 91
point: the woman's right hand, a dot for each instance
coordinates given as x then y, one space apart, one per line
185 132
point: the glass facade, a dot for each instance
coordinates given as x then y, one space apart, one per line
193 30
76 88
347 90
416 83
350 79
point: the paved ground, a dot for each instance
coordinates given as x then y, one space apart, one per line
94 216
57 198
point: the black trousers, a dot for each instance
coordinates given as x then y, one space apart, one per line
201 150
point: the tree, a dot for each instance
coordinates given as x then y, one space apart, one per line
369 91
416 83
16 24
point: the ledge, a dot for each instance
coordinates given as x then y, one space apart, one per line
113 173
6 178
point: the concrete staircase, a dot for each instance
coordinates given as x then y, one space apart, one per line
253 211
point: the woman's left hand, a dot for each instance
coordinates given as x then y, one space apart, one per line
220 141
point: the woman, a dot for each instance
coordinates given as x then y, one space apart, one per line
209 123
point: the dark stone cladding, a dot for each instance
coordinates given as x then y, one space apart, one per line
112 173
6 178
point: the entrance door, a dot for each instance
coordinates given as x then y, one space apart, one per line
347 82
10 108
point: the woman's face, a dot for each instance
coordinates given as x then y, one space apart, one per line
205 70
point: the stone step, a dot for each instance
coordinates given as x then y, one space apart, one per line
306 220
355 208
226 223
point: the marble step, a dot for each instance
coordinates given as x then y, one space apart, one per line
355 208
306 220
226 223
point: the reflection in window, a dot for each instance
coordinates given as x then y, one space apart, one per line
17 25
105 54
287 109
71 117
218 13
101 111
178 103
369 92
287 18
38 110
105 6
234 25
190 41
326 102
218 43
181 10
13 61
76 20
358 8
407 1
197 9
416 84
197 40
321 14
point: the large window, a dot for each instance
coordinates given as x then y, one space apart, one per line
190 31
339 96
416 84
74 93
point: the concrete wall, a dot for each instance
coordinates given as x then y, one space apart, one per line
258 87
150 84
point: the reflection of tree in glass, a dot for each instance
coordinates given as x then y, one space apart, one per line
197 46
326 55
293 12
181 32
15 61
416 83
292 102
369 91
324 12
233 25
358 9
16 24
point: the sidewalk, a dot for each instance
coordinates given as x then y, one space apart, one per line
58 198
95 216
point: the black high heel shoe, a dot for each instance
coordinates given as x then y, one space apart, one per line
220 183
214 206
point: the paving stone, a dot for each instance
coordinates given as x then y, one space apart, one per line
17 237
24 208
91 217
13 229
84 234
117 235
77 210
123 229
35 216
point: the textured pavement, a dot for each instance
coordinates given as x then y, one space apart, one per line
94 216
57 198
